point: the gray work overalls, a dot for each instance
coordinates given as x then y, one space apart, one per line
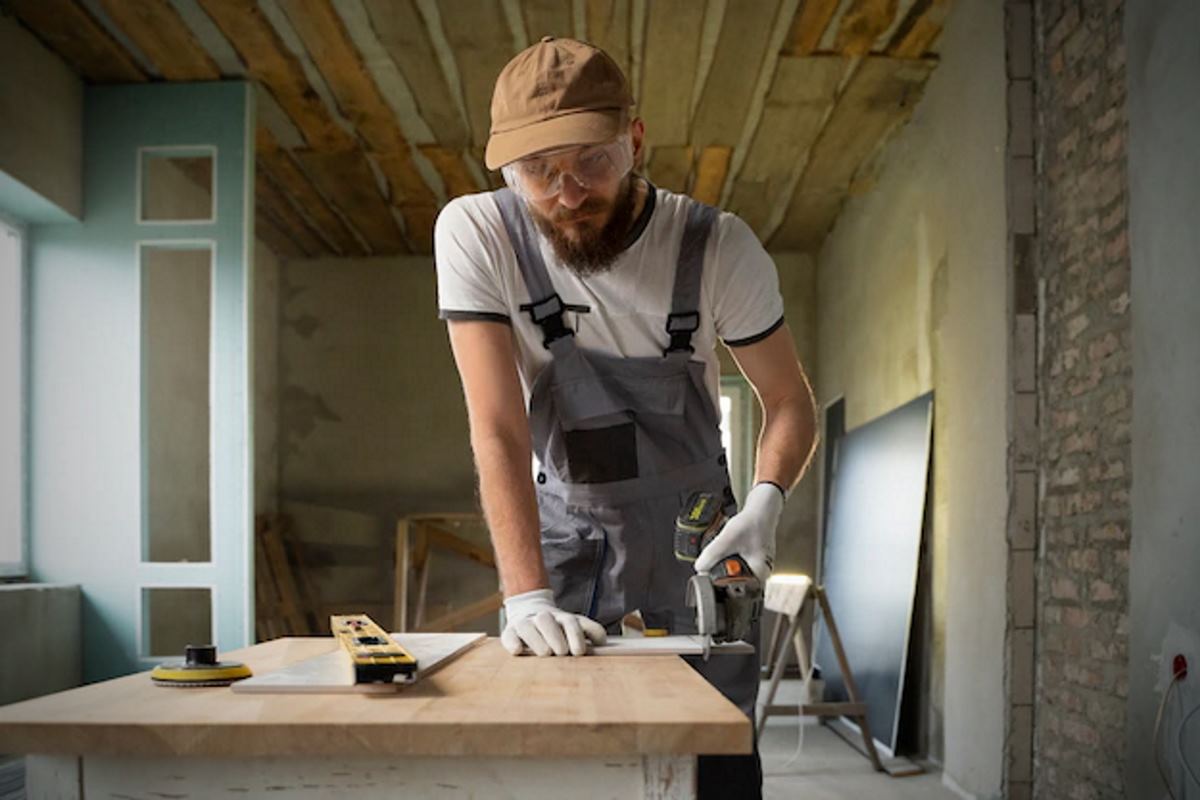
621 443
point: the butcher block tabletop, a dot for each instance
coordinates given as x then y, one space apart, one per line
484 703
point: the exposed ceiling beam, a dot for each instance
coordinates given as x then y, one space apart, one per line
920 29
268 60
809 25
279 164
862 25
880 96
70 30
157 30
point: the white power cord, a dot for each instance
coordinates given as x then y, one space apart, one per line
1158 717
1179 744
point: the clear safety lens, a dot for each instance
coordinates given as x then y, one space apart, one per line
541 177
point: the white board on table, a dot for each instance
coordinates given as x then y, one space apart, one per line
679 645
330 673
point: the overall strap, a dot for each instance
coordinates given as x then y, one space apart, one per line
546 307
684 319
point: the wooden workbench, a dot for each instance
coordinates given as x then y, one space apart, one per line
487 724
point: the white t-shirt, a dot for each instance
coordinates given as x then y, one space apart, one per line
478 278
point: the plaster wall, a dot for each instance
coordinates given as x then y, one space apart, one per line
911 297
1164 203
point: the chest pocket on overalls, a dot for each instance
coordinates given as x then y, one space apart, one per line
599 417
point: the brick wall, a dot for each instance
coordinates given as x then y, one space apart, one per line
1085 405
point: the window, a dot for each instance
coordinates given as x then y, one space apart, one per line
12 402
737 432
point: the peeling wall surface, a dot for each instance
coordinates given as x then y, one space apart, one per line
912 296
1164 190
45 151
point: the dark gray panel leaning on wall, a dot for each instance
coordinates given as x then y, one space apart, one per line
871 550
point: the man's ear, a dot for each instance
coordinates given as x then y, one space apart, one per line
637 134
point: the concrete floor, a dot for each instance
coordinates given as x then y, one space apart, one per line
829 769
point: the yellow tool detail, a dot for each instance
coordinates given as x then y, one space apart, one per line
375 655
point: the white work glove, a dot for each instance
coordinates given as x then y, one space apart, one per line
534 621
750 533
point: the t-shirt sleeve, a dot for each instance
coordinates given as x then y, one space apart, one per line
747 305
468 279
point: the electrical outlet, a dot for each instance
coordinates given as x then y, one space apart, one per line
1180 648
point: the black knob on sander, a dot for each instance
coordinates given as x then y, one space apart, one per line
200 655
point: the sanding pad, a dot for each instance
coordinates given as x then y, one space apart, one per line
199 668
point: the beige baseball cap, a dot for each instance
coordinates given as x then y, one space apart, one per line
557 93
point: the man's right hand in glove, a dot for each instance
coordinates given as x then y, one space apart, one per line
534 622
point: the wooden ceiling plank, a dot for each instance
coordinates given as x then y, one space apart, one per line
155 28
67 28
920 29
418 223
670 61
737 62
403 33
283 169
808 26
670 167
324 36
802 94
547 18
877 100
348 181
268 60
479 35
269 197
451 165
280 243
608 27
711 170
863 24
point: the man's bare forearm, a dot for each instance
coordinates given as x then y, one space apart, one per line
788 438
509 505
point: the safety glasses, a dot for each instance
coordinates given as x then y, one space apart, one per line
541 176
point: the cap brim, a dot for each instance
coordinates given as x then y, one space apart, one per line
582 127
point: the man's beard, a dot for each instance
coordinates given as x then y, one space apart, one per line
596 250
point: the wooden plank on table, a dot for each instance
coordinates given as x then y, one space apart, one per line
276 238
282 168
452 166
608 27
348 181
670 167
802 93
280 209
547 18
880 96
672 53
155 28
920 29
483 44
404 34
269 61
862 24
67 28
711 170
808 26
729 90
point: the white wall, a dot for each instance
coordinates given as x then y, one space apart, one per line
912 296
1164 208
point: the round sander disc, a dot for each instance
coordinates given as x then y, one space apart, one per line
199 668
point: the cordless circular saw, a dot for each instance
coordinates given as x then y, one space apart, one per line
728 599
